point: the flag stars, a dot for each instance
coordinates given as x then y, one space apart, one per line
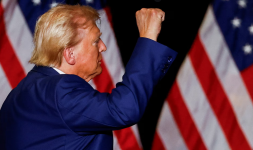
53 4
247 49
242 3
251 29
236 22
36 2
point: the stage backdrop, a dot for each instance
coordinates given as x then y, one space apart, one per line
204 101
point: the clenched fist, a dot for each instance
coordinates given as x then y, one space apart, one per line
149 22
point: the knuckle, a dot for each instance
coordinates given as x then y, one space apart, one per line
137 13
153 12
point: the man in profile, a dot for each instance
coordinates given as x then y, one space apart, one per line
54 107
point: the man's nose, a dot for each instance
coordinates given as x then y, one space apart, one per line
102 47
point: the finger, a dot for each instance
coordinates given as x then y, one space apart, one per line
163 17
161 14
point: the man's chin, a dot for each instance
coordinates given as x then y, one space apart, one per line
99 71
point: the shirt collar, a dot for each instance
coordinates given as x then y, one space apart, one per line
59 71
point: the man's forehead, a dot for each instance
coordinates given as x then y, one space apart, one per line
96 30
92 31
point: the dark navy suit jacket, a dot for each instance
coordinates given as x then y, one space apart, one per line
49 111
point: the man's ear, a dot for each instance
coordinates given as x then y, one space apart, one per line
68 54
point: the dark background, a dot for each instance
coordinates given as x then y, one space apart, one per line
182 21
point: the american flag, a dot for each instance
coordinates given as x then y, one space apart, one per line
210 103
17 24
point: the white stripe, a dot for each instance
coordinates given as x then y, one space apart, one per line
18 32
199 108
115 143
168 130
136 133
5 86
112 57
228 73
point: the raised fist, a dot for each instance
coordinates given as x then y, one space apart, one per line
149 22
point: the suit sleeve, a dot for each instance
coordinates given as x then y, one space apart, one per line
85 110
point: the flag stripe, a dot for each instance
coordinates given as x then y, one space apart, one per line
217 97
227 71
126 139
157 142
108 16
115 143
248 80
8 55
171 137
5 86
103 81
195 99
184 120
19 35
136 133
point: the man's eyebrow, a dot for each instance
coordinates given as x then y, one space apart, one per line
99 34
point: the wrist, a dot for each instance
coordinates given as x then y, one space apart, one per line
152 37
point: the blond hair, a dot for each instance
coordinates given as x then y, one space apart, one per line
57 29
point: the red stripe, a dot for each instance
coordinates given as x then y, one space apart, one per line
103 81
157 142
109 16
184 120
217 97
127 139
8 59
248 80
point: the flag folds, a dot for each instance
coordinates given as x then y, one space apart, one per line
210 103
